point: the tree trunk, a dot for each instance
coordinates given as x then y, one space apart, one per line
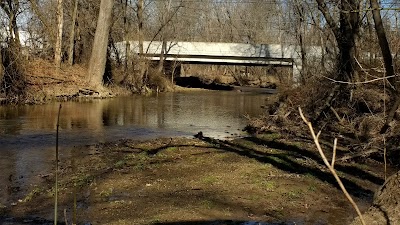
383 42
13 24
127 43
300 18
72 34
139 78
60 23
98 57
15 31
349 24
370 45
164 37
127 60
140 26
388 61
345 33
162 56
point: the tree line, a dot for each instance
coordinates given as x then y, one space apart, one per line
66 30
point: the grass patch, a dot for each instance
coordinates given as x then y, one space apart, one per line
119 164
270 136
142 157
171 149
255 197
107 193
297 144
312 188
280 160
35 192
269 185
156 219
209 180
309 176
246 144
207 204
293 195
82 180
138 161
278 213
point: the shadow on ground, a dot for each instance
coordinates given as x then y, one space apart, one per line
220 222
280 154
27 220
287 157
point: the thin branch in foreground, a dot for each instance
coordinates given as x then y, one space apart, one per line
367 73
56 172
334 153
384 156
331 165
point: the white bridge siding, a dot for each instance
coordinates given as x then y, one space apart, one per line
222 53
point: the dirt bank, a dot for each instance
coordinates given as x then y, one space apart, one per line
191 181
45 82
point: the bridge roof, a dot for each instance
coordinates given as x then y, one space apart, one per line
217 49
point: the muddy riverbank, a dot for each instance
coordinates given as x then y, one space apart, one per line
190 181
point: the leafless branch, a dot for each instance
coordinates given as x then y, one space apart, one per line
361 82
331 165
334 153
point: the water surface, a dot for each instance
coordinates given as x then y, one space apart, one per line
28 133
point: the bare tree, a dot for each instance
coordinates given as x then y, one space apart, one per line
72 34
300 20
11 8
387 59
126 32
98 57
45 21
60 23
345 32
139 77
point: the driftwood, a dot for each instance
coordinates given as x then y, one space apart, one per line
85 91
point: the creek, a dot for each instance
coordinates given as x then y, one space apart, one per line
28 132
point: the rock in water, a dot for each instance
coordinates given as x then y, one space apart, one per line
199 135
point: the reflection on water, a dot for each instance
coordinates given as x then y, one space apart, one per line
27 133
133 117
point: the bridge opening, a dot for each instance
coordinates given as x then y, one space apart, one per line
237 75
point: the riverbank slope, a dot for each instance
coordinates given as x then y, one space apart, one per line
44 82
